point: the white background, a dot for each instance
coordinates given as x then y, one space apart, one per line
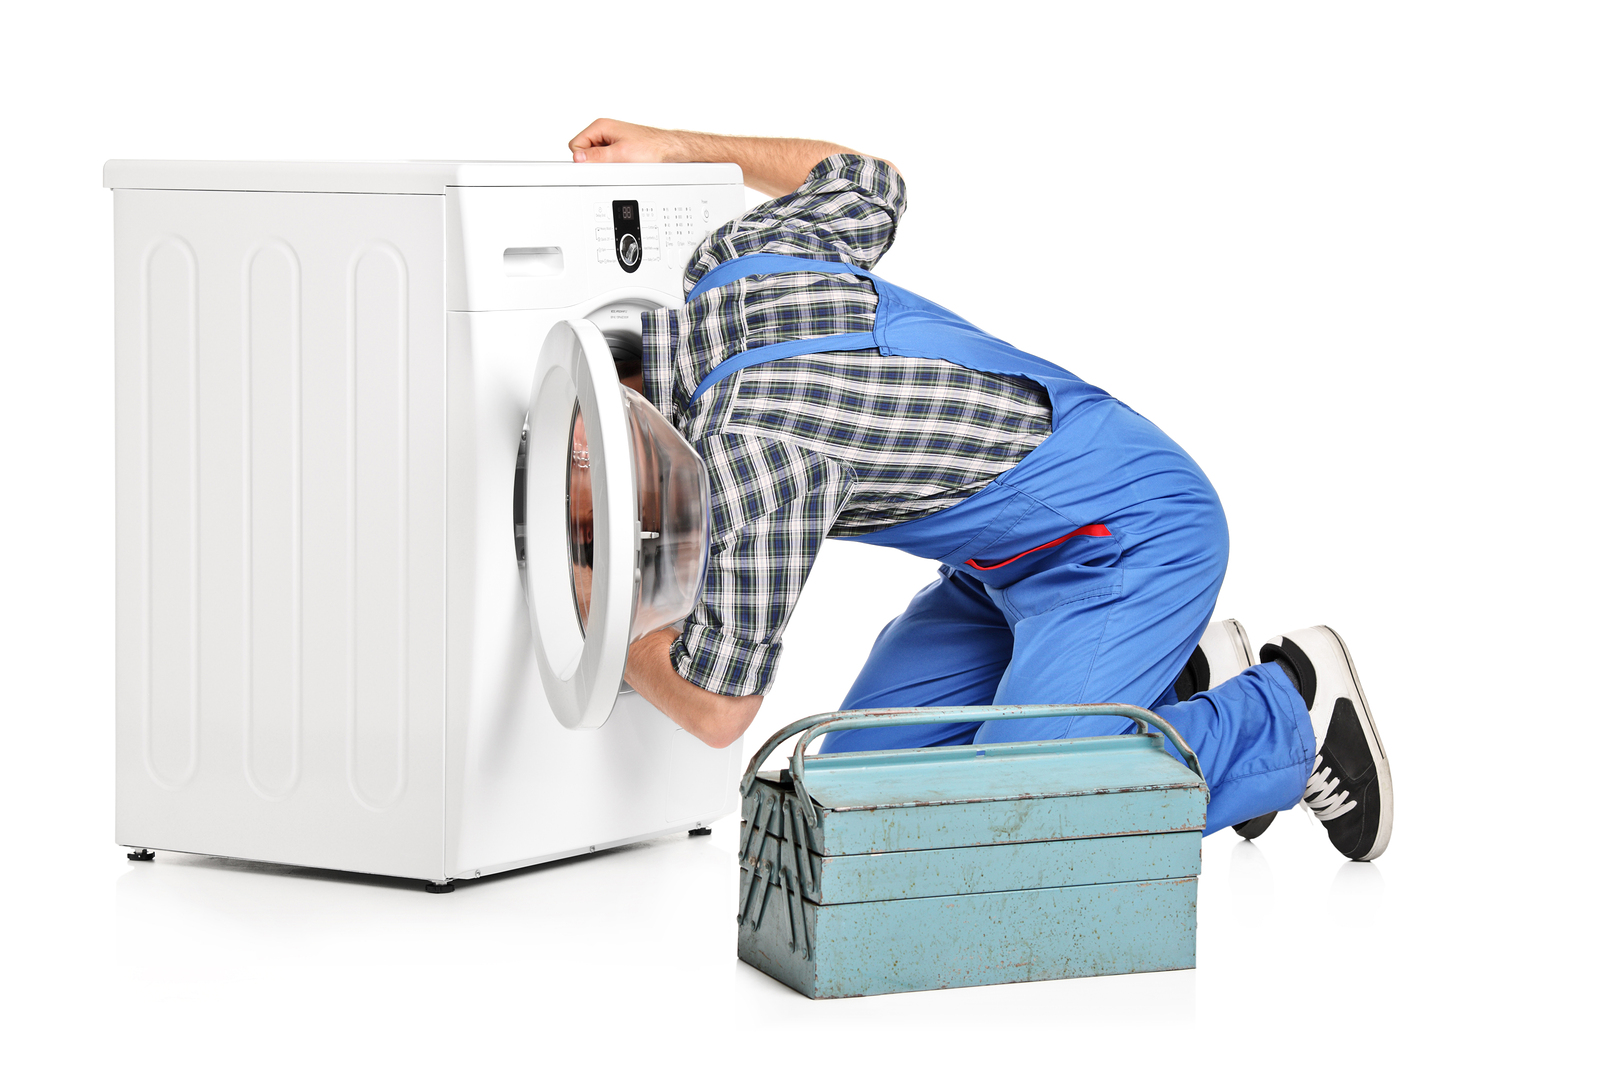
1345 254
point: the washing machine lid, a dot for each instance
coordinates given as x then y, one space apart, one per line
580 658
400 176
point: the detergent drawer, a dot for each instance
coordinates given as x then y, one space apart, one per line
962 866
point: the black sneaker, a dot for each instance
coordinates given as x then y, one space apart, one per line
1224 651
1251 829
1350 790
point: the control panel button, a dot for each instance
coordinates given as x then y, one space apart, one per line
605 255
628 249
602 233
626 218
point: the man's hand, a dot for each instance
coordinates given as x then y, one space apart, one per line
610 141
717 720
775 166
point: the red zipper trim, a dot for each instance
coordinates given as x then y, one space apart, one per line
1092 530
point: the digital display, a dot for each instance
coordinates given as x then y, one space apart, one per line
625 211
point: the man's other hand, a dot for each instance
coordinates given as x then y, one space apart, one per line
611 141
773 165
717 720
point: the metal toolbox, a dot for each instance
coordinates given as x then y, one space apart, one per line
883 872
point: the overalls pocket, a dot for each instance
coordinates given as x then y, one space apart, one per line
1045 561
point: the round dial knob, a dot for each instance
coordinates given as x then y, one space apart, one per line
628 249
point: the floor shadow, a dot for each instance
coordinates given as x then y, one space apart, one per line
283 870
381 881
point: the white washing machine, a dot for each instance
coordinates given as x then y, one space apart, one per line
325 651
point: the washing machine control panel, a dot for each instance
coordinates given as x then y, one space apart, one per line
650 231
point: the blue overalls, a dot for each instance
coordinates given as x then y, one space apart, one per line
1084 574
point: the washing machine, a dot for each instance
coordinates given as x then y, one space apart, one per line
350 401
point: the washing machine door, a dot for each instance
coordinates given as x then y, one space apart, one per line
617 519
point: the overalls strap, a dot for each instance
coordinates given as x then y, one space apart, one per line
769 263
732 270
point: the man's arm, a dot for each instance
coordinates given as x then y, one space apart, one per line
775 166
717 720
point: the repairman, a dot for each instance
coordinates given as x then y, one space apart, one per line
1081 550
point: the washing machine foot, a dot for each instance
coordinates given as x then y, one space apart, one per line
143 854
446 886
700 831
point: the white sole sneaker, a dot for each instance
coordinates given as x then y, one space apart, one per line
1227 650
1242 656
1350 791
1224 651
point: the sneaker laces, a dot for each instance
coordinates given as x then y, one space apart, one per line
1320 798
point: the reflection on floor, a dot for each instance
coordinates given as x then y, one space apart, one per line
630 946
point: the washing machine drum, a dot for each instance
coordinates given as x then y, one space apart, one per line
617 522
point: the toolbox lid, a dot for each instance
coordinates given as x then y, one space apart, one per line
400 176
1014 771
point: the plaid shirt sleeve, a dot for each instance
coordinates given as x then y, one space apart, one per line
768 536
846 209
773 500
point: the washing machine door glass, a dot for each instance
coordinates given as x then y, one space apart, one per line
617 519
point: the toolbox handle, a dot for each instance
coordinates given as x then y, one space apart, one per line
815 725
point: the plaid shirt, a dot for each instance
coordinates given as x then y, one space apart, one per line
833 444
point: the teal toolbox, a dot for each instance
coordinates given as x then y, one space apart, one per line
882 872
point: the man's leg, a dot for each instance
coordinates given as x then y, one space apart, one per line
1252 733
1125 645
949 648
1254 740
